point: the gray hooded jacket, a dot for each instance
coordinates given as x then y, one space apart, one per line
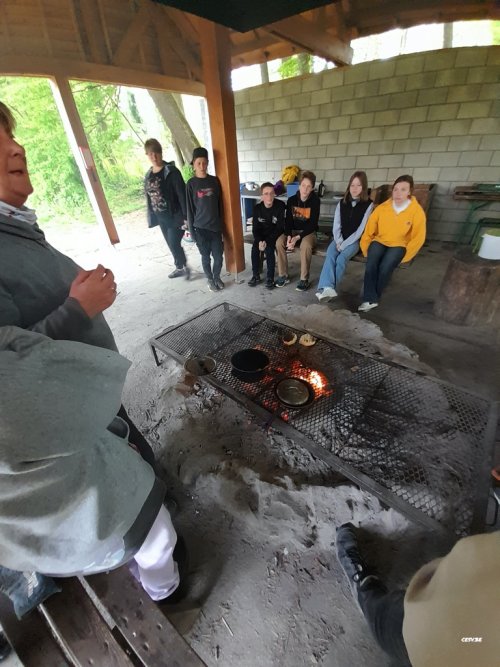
70 489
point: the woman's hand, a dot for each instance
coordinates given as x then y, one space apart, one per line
262 245
94 290
291 241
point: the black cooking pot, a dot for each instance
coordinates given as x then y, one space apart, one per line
249 365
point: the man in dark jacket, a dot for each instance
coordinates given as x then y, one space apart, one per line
166 198
268 225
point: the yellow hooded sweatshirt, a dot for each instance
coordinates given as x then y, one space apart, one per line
405 229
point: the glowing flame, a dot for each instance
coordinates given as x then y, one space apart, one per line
316 380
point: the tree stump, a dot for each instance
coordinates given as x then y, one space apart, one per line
470 291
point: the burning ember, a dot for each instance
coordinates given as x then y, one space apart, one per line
316 379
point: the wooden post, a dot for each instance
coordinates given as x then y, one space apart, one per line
216 61
70 117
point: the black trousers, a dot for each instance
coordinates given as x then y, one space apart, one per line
210 245
270 258
137 439
173 236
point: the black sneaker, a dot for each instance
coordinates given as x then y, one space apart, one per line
5 647
177 273
218 283
212 286
282 281
302 285
270 283
351 560
187 272
254 280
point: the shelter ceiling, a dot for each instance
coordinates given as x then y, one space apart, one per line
327 31
147 43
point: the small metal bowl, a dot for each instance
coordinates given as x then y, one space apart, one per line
200 365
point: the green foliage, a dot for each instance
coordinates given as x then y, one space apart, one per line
495 32
54 174
112 144
296 65
187 172
116 148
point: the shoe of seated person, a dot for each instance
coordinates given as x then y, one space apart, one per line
282 281
302 285
181 557
352 561
270 283
254 280
366 306
212 286
326 294
218 283
5 647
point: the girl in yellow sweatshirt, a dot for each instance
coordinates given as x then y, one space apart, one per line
394 233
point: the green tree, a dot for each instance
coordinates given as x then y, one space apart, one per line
113 137
495 32
54 174
114 142
301 63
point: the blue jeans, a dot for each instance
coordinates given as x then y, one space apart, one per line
270 259
384 612
26 590
335 264
210 245
380 264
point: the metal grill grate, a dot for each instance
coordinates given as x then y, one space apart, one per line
421 445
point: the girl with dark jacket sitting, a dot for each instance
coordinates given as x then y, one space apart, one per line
349 223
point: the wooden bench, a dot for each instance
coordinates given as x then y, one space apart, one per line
105 620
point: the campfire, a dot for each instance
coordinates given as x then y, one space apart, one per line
370 420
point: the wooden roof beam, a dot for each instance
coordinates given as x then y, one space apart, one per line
167 30
257 44
396 14
88 23
311 38
26 65
133 34
263 55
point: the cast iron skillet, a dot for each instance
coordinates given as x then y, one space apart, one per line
249 365
294 393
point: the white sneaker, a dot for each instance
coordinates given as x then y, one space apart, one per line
366 306
326 295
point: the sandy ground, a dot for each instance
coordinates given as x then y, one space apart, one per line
258 512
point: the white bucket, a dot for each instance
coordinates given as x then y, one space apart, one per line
490 247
